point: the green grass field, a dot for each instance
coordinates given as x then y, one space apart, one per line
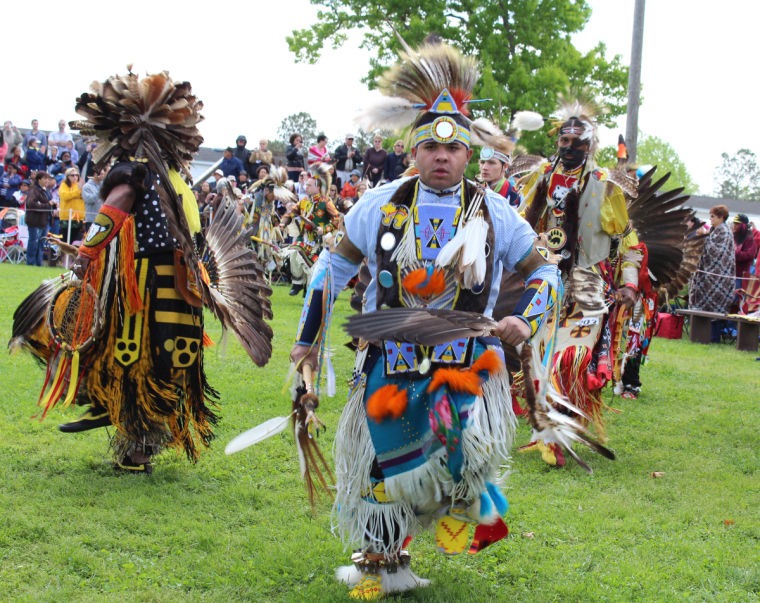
239 528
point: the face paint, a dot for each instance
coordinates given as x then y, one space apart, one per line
573 155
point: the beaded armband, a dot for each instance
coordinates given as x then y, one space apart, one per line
539 297
106 226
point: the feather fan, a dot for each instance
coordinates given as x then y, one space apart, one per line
421 326
239 291
659 219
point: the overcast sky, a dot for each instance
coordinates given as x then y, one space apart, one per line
699 78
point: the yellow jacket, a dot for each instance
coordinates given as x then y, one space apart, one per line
72 204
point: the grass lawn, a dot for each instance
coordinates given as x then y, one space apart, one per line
239 528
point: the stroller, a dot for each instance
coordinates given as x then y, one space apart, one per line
11 246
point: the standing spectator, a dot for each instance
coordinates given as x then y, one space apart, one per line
318 153
35 133
60 138
9 184
85 159
374 160
394 162
91 197
261 156
347 158
71 208
3 149
11 135
294 157
712 286
35 156
242 153
744 248
231 165
38 217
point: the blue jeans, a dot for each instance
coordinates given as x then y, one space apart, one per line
34 246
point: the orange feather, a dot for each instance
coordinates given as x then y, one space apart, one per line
389 400
488 361
458 381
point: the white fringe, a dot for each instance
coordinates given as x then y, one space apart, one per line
405 254
426 485
487 441
348 574
401 580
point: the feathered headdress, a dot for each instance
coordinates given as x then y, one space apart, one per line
436 81
578 116
151 118
277 177
321 173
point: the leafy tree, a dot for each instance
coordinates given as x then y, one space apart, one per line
738 177
654 151
299 123
606 157
524 46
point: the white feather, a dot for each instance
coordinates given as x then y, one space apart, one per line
483 131
257 434
528 121
388 113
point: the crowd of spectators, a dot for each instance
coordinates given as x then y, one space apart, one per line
352 171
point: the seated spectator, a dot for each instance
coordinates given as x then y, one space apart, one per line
17 159
10 182
262 172
72 151
349 190
64 164
230 165
20 195
243 182
3 149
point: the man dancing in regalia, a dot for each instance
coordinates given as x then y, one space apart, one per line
427 427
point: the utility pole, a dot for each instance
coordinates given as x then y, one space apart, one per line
634 81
